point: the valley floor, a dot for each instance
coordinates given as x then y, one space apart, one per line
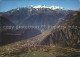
31 48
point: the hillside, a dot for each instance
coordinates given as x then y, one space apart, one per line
31 48
11 36
5 22
67 37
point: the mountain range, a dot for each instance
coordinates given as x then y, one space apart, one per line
36 15
43 15
62 39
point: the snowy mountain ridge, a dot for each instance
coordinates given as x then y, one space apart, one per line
42 6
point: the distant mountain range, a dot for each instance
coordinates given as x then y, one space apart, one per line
36 15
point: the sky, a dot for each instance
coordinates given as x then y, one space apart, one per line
6 5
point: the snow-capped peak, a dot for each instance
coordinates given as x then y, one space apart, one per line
51 7
41 6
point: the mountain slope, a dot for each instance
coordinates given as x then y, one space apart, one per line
5 22
11 36
66 36
36 16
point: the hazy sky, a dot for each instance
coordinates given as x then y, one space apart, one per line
6 5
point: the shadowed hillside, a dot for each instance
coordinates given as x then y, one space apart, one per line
11 36
5 22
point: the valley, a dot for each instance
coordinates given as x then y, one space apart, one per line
59 35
